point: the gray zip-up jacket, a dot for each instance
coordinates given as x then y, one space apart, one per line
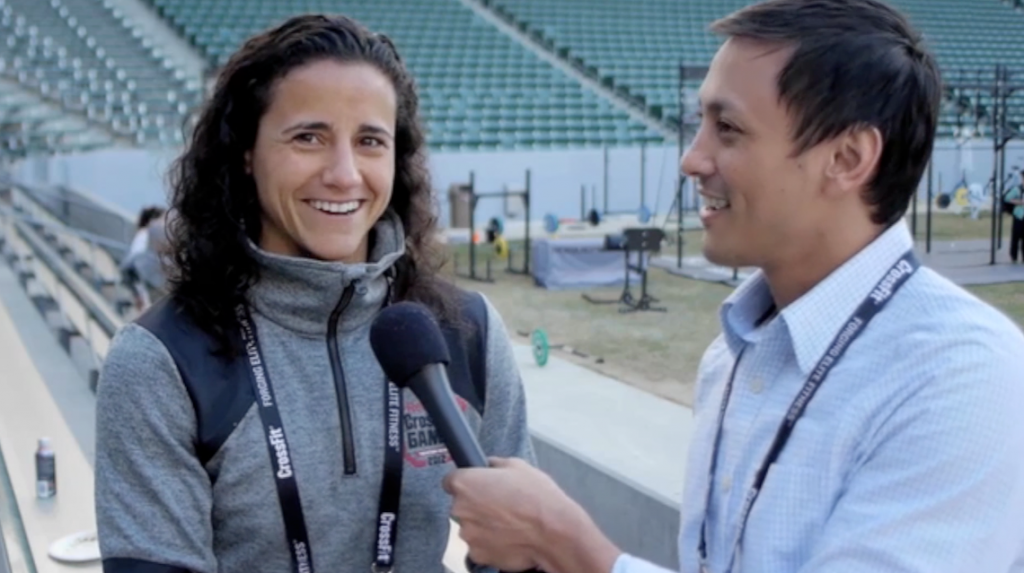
184 490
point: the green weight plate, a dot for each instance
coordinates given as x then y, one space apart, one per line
540 346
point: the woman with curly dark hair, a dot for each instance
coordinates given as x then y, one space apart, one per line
241 420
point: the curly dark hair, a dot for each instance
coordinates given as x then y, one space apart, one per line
214 200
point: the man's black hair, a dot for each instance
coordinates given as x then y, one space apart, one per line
855 63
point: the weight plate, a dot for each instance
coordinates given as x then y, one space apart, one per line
540 346
551 223
961 196
501 247
644 216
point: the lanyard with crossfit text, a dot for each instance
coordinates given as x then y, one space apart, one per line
284 474
891 282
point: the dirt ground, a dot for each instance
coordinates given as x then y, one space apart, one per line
660 351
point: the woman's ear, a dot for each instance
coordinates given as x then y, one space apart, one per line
248 162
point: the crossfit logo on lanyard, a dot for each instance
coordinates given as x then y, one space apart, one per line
884 290
385 550
284 463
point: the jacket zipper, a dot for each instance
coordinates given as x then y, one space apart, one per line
341 389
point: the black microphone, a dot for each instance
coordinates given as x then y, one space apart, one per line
412 351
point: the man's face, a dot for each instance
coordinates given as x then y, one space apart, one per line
763 204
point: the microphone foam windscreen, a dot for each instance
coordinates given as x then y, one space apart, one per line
405 337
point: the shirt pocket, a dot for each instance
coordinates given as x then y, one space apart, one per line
787 519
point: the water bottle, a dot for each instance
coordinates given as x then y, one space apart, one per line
46 470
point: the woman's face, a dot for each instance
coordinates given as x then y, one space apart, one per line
324 160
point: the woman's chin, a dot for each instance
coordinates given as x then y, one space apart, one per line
335 253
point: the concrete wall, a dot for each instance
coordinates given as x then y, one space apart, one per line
124 180
639 521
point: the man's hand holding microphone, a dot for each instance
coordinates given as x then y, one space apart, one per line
515 517
512 515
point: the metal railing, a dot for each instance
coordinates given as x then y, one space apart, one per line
15 554
80 213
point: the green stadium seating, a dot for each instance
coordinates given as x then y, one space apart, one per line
480 88
641 43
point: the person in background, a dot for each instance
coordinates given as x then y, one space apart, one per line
243 421
859 413
1015 198
143 265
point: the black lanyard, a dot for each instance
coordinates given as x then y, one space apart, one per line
391 486
891 282
284 474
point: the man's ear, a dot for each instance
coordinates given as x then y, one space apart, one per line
855 158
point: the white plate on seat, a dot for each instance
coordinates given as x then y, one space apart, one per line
81 547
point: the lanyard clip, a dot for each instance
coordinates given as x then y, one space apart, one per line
378 568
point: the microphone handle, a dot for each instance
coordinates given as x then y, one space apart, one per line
431 386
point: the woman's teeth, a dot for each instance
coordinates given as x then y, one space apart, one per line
715 204
335 208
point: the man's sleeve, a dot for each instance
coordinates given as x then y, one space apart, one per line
504 431
942 487
153 497
629 564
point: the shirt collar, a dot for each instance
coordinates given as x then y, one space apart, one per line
742 310
814 319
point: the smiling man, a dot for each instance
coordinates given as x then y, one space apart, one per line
859 413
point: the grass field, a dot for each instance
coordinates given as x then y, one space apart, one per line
654 351
952 227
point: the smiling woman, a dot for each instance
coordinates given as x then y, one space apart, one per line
301 207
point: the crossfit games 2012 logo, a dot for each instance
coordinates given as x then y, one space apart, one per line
423 445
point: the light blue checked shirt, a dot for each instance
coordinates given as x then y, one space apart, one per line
909 459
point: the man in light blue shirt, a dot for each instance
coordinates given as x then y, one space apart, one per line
859 413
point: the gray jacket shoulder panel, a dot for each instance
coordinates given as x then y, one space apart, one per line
218 388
